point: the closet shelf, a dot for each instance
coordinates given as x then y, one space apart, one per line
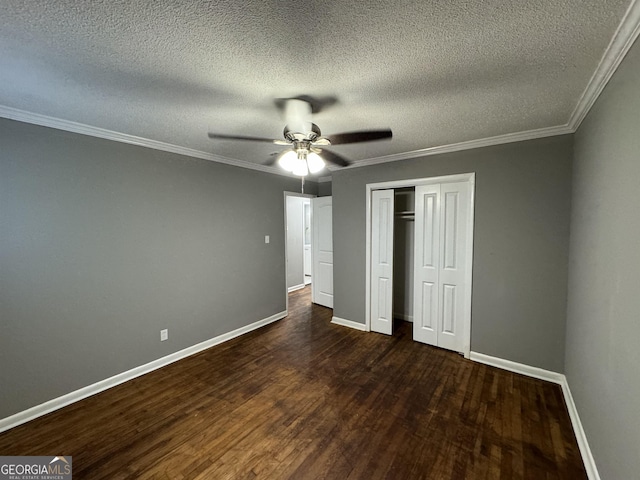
406 215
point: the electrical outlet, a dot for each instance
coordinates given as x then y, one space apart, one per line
164 335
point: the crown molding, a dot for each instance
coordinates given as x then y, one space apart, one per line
468 145
75 127
622 40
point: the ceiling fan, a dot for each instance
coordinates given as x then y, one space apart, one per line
307 153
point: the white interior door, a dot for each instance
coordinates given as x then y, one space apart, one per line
442 215
426 264
382 261
322 245
454 213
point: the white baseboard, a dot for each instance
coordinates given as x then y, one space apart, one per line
296 287
560 379
348 323
77 395
581 437
515 367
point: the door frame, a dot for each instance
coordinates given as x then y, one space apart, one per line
286 259
413 182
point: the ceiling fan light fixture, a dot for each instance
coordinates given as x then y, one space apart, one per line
288 160
300 168
315 162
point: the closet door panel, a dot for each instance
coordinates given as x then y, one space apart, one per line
382 261
453 238
428 299
426 266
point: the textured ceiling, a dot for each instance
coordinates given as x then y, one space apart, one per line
436 73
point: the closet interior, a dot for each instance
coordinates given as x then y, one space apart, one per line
403 253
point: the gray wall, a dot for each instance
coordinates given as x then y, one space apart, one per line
324 189
603 326
295 241
103 244
521 243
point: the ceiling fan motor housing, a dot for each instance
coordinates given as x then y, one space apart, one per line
309 136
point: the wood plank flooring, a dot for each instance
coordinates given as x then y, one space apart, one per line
302 398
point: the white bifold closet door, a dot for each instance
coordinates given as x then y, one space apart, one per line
382 211
442 214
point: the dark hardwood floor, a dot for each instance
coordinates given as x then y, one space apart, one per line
302 398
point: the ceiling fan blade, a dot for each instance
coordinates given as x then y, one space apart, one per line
334 158
321 141
362 136
219 136
273 157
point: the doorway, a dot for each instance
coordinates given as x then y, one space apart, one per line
309 246
298 240
441 264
